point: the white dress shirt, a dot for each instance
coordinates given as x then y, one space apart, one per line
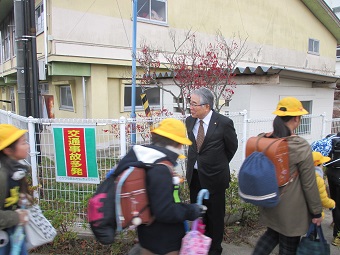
206 121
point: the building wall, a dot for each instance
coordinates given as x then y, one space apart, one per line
99 34
277 35
264 98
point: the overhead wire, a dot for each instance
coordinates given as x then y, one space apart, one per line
81 18
121 17
239 12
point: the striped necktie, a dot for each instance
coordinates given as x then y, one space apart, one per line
200 136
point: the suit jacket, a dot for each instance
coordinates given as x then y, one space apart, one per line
219 147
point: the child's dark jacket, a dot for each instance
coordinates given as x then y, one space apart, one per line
166 232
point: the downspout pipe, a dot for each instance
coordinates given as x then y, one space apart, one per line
21 51
84 98
34 61
45 33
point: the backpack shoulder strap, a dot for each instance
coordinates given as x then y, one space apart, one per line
3 186
269 145
169 165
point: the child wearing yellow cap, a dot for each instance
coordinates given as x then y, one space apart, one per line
164 235
319 159
13 188
301 203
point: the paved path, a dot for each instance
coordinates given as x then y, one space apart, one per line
246 249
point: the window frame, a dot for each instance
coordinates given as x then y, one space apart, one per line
63 106
44 88
149 19
14 45
305 126
7 38
338 52
312 44
12 98
39 19
128 108
2 53
7 42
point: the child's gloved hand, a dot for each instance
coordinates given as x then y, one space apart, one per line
203 209
14 197
196 211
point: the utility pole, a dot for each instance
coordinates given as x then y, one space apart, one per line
33 66
27 67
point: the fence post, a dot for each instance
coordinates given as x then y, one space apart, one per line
244 138
33 153
9 118
122 135
323 130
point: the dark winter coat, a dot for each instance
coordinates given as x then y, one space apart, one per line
8 217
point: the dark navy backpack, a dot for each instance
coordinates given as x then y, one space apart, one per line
257 181
101 211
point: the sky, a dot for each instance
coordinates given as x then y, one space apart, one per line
333 3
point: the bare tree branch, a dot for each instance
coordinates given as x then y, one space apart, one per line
194 65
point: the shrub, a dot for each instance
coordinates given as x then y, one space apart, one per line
236 208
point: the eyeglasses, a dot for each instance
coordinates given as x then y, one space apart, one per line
195 105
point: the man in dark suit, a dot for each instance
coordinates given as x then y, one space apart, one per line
208 160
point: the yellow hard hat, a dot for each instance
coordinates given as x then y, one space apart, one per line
9 134
174 130
319 158
290 106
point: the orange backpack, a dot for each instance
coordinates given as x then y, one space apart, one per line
276 149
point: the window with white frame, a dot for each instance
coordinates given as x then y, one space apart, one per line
1 48
39 18
7 38
7 43
14 45
313 46
66 102
152 10
338 52
153 94
306 122
44 88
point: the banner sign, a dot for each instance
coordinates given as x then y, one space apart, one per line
75 154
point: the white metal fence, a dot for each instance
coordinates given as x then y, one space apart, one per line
113 139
